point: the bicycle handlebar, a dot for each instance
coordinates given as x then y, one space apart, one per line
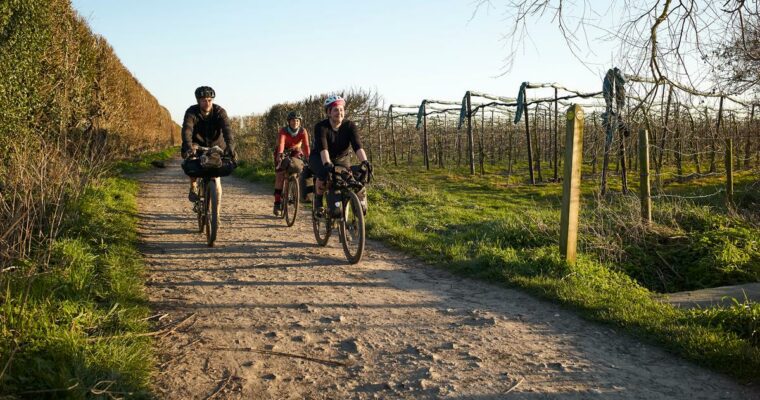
198 150
339 182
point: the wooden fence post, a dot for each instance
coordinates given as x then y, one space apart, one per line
529 144
379 140
393 139
426 156
729 173
470 141
571 187
370 148
644 185
556 134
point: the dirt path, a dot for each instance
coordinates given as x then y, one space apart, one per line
723 296
274 316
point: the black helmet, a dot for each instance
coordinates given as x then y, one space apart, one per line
295 115
204 91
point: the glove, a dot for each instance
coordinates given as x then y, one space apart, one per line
187 154
278 158
329 166
366 165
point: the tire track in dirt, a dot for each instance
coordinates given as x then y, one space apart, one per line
274 316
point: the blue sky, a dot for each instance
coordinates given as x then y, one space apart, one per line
256 54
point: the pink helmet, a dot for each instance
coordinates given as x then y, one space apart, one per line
334 100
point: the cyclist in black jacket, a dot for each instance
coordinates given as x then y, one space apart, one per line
333 139
206 124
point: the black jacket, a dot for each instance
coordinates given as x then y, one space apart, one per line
337 143
214 130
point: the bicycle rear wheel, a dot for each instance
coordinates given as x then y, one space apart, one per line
212 212
352 232
322 224
292 199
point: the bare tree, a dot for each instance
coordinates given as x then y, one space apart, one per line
670 41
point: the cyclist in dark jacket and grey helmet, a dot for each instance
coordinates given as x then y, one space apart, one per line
206 124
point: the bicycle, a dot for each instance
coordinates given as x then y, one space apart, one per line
208 188
348 212
291 194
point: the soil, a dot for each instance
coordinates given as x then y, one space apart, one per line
267 314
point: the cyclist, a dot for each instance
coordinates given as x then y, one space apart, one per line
292 142
206 124
332 139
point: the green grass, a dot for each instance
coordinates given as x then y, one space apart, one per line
72 328
482 227
255 172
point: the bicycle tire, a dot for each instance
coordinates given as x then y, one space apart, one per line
291 200
322 226
212 212
199 208
352 232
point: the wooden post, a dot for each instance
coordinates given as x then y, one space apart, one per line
444 136
470 141
530 148
493 140
393 140
480 138
369 135
729 173
595 145
645 188
556 134
425 135
536 117
511 152
379 140
571 187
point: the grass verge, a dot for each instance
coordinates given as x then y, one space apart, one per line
71 328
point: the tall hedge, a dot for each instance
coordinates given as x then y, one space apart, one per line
60 81
68 106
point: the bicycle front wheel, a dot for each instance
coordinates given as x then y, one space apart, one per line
200 210
201 215
352 232
212 212
292 199
322 224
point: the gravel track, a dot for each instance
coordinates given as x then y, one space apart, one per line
268 314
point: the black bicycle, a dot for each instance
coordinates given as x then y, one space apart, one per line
208 165
291 194
344 209
207 207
